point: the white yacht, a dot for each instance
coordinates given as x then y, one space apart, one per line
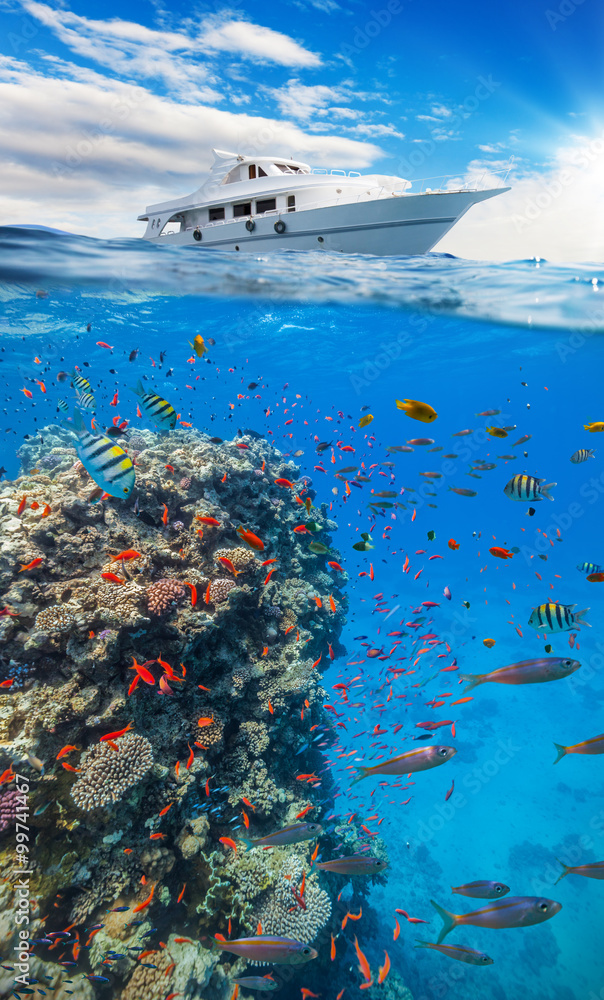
261 203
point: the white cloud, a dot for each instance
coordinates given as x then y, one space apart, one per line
181 61
132 51
494 147
87 153
376 130
256 42
297 101
556 213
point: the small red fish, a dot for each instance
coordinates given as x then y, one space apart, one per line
250 539
27 392
21 506
453 545
228 842
101 343
268 576
145 904
8 682
127 554
114 736
208 520
47 510
228 565
67 749
32 564
193 590
164 516
112 578
284 482
336 566
68 767
34 505
114 401
501 553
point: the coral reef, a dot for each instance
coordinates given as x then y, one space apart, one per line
108 771
163 595
8 807
211 679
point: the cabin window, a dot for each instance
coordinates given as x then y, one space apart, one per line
216 214
291 203
262 173
245 208
266 205
252 172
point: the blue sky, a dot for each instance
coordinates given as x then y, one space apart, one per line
108 106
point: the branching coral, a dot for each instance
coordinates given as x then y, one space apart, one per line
106 773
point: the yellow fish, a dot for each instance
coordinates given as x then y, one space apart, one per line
198 346
418 411
496 432
364 421
598 426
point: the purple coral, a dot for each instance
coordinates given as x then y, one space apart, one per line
8 807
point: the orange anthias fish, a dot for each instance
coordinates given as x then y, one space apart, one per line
336 566
251 539
114 736
453 545
164 516
284 482
208 520
141 669
31 565
501 553
112 578
127 554
228 565
228 842
67 749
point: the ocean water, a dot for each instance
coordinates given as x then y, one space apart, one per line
328 340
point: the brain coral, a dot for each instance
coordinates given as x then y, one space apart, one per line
162 594
106 774
220 589
58 618
8 807
282 914
241 558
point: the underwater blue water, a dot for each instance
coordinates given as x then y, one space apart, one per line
324 337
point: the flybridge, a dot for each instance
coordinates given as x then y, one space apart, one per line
260 203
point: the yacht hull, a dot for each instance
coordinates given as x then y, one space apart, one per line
405 225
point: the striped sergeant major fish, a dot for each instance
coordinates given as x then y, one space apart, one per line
63 406
105 462
79 383
589 568
523 487
557 617
86 401
582 455
158 410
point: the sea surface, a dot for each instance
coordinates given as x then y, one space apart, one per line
328 340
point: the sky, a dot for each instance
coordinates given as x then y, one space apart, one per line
106 108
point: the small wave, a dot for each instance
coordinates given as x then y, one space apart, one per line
532 293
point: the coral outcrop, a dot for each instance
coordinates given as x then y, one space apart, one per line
211 678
